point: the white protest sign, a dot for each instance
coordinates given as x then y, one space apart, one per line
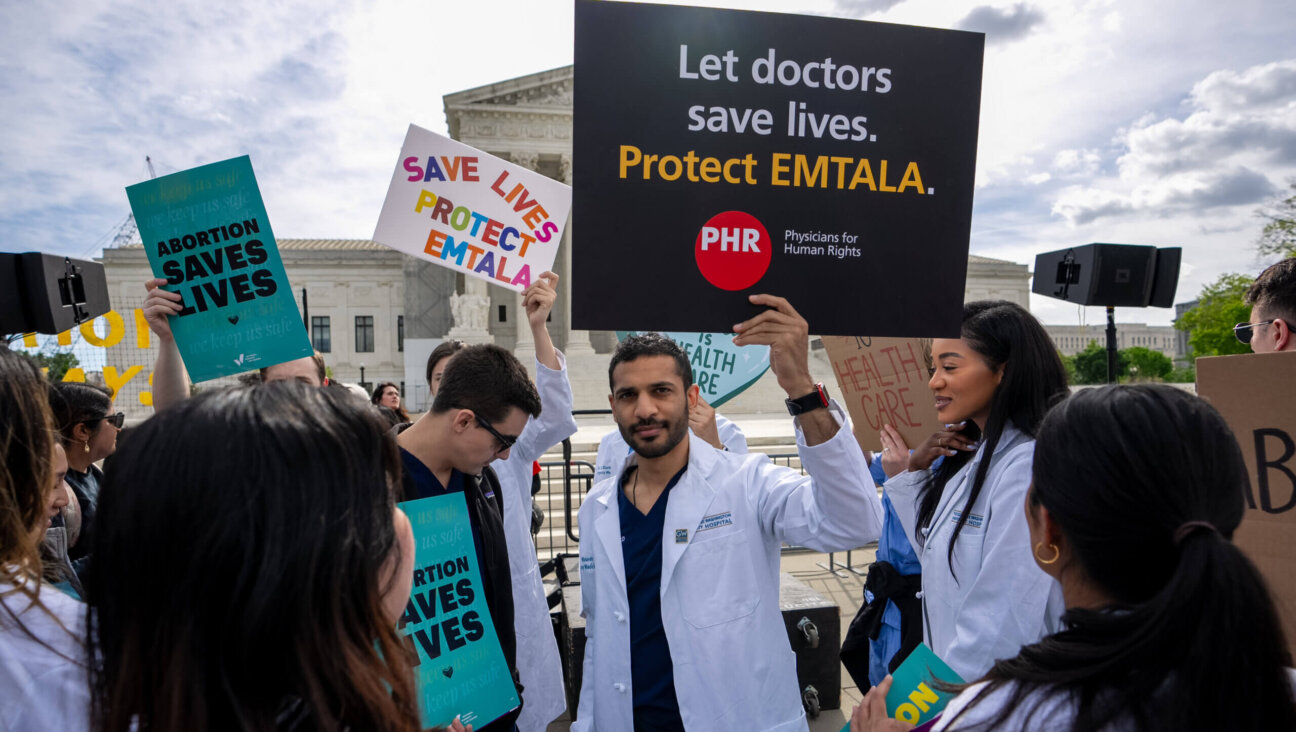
472 212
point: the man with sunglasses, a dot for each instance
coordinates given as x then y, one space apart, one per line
538 662
1272 298
482 405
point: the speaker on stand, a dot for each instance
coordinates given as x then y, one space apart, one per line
1110 275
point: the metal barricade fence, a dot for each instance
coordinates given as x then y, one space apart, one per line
564 484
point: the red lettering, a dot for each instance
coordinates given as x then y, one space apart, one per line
491 234
496 185
442 209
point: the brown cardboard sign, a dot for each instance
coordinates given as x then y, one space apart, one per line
1256 394
884 380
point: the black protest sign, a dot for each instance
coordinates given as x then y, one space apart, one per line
721 153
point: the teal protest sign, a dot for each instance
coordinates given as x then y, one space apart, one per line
721 370
206 231
460 668
912 698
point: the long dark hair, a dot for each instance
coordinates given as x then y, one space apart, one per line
1005 335
74 402
242 537
1193 640
376 398
27 440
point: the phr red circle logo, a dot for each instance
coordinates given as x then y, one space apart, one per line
733 250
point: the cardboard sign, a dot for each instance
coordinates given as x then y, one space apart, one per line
721 370
884 381
472 212
1254 394
460 669
206 231
720 153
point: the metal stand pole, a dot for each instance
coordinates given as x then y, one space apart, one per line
1111 345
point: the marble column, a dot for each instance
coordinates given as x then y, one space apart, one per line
578 342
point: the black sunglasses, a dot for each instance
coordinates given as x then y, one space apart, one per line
1243 331
504 440
116 420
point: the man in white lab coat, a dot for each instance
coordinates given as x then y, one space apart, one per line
680 549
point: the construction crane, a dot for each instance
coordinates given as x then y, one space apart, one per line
127 232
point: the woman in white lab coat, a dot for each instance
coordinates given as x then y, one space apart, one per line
1137 492
983 596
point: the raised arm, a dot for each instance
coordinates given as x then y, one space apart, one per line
170 380
787 334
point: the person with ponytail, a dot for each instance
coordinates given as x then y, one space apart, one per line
983 598
88 427
1137 493
43 684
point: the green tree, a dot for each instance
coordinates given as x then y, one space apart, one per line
57 362
1185 375
1278 237
1068 363
1146 364
1220 306
1091 364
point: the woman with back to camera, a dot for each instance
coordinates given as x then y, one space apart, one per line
1137 493
250 568
388 395
84 416
42 659
983 598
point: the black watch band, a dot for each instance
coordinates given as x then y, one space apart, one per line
817 399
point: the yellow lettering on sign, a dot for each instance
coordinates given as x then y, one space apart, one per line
29 340
924 697
76 374
908 713
116 331
146 397
65 339
142 332
114 382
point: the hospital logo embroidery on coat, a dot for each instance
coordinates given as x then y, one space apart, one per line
974 519
716 520
587 563
681 536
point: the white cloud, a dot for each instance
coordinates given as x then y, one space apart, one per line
1238 123
1142 121
1001 25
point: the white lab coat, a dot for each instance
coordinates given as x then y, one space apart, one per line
1001 600
725 522
613 449
537 650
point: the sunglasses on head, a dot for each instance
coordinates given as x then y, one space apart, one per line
1243 331
505 441
116 420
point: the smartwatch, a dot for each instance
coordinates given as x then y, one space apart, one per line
817 399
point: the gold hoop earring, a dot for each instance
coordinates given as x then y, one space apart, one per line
1056 553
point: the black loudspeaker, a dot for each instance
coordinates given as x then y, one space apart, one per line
1116 275
46 293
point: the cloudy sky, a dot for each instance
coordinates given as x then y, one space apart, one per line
1164 122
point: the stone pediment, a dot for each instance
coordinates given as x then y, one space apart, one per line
551 90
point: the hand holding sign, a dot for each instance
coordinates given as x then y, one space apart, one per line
871 715
788 335
538 299
159 306
702 420
946 442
